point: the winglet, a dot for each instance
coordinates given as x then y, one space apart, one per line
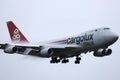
15 33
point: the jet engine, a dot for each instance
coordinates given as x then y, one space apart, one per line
46 52
108 52
102 52
10 49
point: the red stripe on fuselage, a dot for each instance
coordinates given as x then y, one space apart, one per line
59 41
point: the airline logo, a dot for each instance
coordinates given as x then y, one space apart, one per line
80 39
16 36
15 33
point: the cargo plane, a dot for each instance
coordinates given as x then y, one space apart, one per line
96 40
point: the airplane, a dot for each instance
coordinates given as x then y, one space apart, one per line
96 40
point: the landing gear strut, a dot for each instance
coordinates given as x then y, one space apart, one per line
77 61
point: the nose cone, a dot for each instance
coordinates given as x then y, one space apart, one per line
113 37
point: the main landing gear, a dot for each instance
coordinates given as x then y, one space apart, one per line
77 61
64 60
56 60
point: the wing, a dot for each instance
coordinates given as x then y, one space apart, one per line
42 50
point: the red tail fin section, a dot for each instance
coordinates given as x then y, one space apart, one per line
15 33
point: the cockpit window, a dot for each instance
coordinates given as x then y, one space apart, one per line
106 28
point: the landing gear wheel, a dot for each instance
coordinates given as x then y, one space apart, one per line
79 58
77 62
51 61
65 60
54 60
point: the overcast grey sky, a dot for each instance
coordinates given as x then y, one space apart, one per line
42 20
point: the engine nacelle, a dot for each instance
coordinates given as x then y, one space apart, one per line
99 53
46 52
10 49
108 52
102 52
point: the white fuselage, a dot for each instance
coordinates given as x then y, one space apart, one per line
97 40
88 41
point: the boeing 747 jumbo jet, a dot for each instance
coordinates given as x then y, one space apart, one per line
97 40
